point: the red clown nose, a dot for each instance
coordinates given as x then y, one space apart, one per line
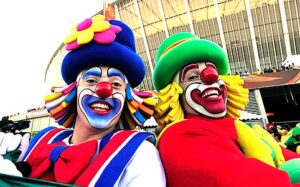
209 75
104 89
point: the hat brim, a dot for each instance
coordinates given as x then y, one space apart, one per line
191 51
112 55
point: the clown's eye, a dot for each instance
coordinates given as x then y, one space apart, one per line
116 84
91 81
193 77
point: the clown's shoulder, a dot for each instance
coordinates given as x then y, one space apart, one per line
140 145
132 176
208 155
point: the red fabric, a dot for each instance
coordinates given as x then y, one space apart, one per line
288 154
45 139
204 152
70 164
103 156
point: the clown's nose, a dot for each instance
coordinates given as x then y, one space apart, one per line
209 75
104 89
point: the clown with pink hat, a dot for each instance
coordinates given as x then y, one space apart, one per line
202 142
92 148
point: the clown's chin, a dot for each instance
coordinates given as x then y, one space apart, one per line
215 108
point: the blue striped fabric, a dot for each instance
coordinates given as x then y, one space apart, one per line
106 139
62 135
114 169
55 153
36 138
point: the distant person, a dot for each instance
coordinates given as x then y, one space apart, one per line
273 130
295 146
269 70
258 72
292 139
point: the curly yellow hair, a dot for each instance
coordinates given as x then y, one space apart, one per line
169 110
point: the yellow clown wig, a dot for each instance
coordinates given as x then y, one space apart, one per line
169 110
176 52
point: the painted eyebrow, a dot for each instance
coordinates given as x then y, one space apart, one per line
114 72
188 68
95 71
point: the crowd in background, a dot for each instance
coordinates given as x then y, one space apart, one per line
287 136
266 70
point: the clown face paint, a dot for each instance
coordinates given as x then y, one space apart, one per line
204 93
101 96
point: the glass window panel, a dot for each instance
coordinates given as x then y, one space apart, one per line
268 28
266 19
128 14
292 8
176 16
236 32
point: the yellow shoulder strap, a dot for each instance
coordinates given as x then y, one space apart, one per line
252 144
272 143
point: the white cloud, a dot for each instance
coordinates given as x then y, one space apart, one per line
31 31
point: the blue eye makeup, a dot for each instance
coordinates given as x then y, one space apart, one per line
95 71
114 72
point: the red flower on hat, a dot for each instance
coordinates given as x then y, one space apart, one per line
95 28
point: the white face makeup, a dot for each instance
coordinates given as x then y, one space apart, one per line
204 92
101 96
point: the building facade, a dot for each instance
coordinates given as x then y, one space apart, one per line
256 34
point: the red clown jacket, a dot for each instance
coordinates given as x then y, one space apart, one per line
205 152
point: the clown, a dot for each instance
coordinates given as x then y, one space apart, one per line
292 139
101 70
202 142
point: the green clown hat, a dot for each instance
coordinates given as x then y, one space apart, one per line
184 48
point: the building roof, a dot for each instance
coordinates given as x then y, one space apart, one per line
272 79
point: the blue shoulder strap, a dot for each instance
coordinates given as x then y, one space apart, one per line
62 134
118 164
35 139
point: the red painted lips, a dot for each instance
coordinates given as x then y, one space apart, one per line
212 99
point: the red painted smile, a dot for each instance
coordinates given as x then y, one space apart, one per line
212 99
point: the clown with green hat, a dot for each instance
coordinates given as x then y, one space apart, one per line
182 49
92 148
202 143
